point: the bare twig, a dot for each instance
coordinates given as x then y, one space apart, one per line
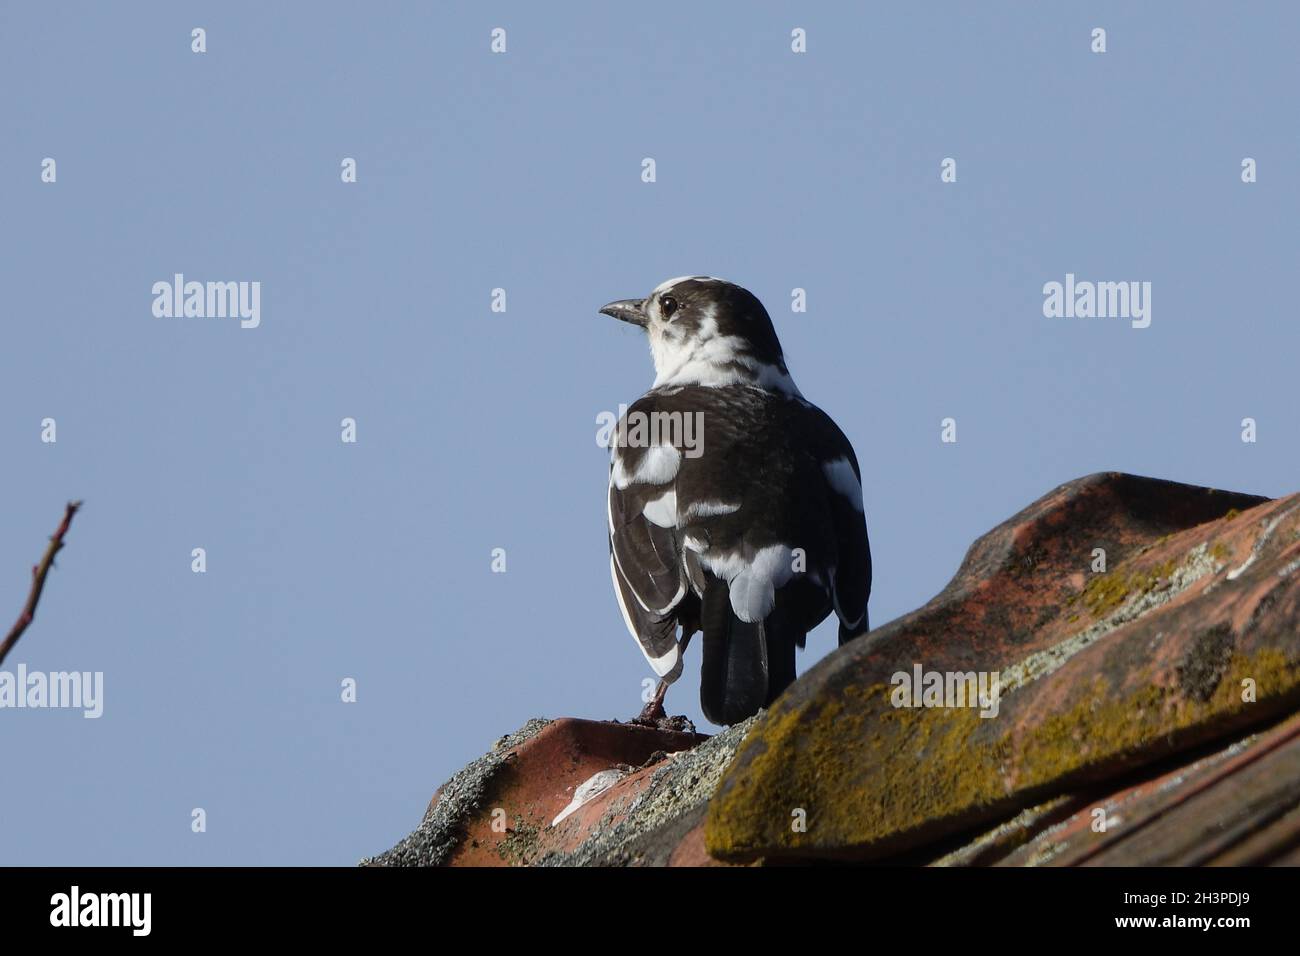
39 572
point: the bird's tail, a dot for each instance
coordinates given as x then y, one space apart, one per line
744 666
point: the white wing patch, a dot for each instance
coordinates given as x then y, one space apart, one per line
839 475
663 510
666 665
657 466
707 509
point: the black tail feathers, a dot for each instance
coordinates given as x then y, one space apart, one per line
745 666
849 633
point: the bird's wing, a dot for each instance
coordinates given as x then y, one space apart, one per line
851 586
771 477
645 550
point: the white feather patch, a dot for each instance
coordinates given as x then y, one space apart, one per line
669 283
663 510
666 665
707 509
657 466
710 359
753 583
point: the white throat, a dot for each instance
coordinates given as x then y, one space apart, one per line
711 360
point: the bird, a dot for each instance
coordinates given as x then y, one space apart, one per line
735 505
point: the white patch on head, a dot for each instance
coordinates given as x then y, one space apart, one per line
710 359
707 509
663 510
669 283
753 583
839 475
669 347
657 466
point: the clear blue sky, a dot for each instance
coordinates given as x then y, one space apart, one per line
477 429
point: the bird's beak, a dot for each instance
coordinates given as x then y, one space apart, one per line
629 310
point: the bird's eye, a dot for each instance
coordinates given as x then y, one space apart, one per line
667 306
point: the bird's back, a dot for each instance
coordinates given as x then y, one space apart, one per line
748 518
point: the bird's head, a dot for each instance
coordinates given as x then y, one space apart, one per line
706 331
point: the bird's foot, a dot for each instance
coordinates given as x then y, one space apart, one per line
651 714
654 716
653 711
659 720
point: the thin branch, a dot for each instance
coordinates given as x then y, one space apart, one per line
38 582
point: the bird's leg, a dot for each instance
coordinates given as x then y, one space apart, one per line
654 712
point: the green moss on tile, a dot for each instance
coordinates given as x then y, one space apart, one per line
863 769
1105 593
